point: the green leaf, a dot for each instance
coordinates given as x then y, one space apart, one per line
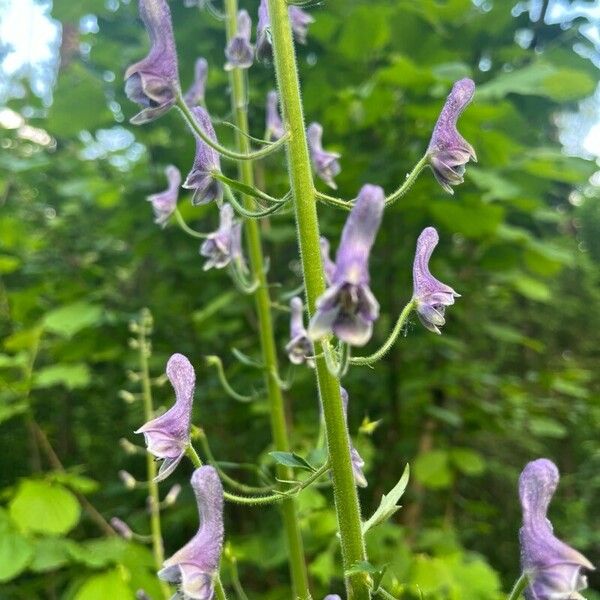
531 288
8 263
51 554
9 411
111 584
16 551
72 376
432 469
290 459
78 483
467 461
43 507
388 504
100 552
364 32
68 320
547 427
473 220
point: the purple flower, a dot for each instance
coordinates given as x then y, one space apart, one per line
200 178
195 95
357 462
275 128
239 51
168 436
348 307
300 20
554 568
264 49
196 565
430 295
221 246
332 597
448 151
299 347
153 82
328 264
165 203
325 164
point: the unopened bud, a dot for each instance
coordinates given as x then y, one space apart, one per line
141 595
128 447
121 528
172 495
126 396
133 376
128 480
133 327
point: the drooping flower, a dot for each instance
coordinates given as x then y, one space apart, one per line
275 128
195 95
299 348
168 436
325 163
554 568
430 295
328 264
196 565
165 203
348 307
357 462
200 179
300 20
220 246
239 51
448 151
154 81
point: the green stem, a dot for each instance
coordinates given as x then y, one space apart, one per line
247 155
408 182
154 505
215 361
386 347
245 212
279 428
384 594
235 581
219 589
519 587
338 441
185 227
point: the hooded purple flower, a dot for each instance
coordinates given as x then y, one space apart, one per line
430 295
200 178
239 51
153 82
221 246
275 128
196 565
165 203
448 151
195 95
348 307
554 568
168 436
357 462
300 20
299 347
325 163
328 264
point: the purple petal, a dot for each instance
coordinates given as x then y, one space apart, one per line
324 163
195 95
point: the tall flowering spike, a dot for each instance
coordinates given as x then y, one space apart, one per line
325 163
275 128
219 246
357 462
299 348
200 178
328 264
264 48
165 203
195 95
239 51
196 565
154 81
430 295
348 307
448 151
554 567
168 436
300 20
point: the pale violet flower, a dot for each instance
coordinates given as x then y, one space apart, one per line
299 348
328 264
165 203
325 164
223 245
239 51
357 462
195 95
275 129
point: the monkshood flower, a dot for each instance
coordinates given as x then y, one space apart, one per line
219 246
325 163
348 307
200 178
275 128
328 264
165 203
154 81
357 462
239 51
168 436
299 348
196 565
195 95
429 295
554 567
300 20
448 151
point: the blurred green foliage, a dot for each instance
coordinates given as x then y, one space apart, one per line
514 376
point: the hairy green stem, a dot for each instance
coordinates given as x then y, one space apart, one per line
345 493
279 428
215 361
519 587
408 182
185 227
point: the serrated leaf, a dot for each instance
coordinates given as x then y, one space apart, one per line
290 459
389 503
